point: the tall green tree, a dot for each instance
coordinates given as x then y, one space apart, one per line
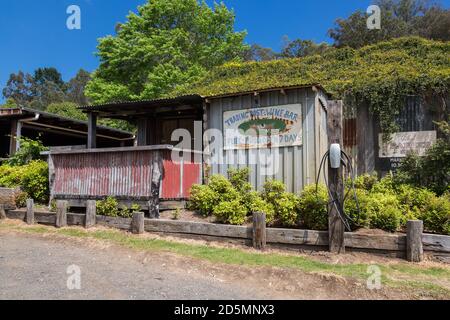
19 88
167 43
76 86
301 48
257 52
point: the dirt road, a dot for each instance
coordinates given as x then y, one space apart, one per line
35 266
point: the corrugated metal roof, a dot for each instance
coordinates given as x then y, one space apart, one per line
185 99
20 112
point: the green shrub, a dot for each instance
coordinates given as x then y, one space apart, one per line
384 212
255 203
384 185
203 199
436 215
365 181
223 188
312 207
413 199
32 178
284 203
360 218
286 209
232 212
108 207
29 150
239 178
273 188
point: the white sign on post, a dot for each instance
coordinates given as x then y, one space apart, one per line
278 126
402 143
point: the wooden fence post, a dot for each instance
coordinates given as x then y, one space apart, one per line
137 223
30 211
61 213
336 227
2 212
414 246
91 212
259 230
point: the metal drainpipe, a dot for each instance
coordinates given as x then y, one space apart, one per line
19 128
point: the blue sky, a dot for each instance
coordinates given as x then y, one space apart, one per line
33 33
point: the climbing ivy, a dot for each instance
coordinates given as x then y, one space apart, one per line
380 75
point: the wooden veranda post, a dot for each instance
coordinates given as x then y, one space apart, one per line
336 227
157 173
92 130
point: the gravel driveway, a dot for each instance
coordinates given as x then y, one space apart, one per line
36 268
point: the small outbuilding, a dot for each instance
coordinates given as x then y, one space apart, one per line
53 130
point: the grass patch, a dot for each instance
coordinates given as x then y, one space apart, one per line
424 278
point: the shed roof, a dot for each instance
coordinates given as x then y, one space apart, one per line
125 109
50 120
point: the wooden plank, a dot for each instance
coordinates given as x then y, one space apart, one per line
374 241
436 242
336 227
48 218
414 247
297 236
259 230
137 223
30 211
114 222
200 228
16 214
76 219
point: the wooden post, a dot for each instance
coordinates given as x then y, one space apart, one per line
61 213
414 246
137 223
30 211
92 130
91 212
13 137
259 230
336 227
157 172
2 212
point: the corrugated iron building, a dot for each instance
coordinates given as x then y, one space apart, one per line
298 164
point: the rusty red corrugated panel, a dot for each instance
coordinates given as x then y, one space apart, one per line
99 174
349 133
124 174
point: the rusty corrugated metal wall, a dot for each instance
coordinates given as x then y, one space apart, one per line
298 164
122 174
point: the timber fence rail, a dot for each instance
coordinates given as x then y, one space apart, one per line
411 245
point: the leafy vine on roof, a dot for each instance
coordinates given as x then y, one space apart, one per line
381 75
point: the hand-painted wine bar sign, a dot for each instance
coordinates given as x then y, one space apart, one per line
268 127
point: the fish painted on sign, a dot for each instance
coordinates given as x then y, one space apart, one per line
256 127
